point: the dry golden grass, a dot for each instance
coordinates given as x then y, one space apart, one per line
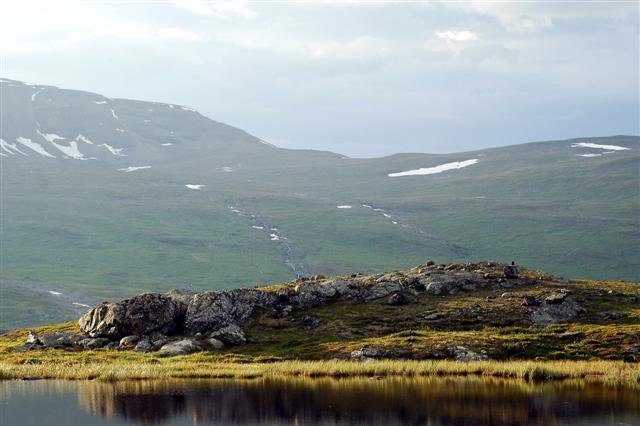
186 367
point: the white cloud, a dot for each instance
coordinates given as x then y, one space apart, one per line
218 9
534 16
457 36
178 34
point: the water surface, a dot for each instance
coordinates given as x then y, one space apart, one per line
361 401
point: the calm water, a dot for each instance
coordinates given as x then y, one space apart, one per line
316 402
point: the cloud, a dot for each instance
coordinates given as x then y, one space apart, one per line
178 34
218 9
535 16
457 36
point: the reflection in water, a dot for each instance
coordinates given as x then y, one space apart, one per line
393 401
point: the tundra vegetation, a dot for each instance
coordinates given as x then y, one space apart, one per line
485 319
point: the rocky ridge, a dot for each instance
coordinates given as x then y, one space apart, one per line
181 322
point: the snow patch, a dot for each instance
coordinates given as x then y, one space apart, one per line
227 169
167 144
51 137
33 97
119 130
194 186
187 109
81 304
344 206
84 139
8 147
588 155
35 146
100 102
257 227
71 151
437 169
598 146
113 113
274 237
133 168
55 293
115 151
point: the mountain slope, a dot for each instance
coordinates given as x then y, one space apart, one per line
159 196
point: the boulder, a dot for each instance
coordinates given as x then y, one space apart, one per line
215 344
230 335
144 345
94 342
554 313
62 340
33 338
555 298
129 341
142 314
462 353
179 347
214 310
398 299
368 353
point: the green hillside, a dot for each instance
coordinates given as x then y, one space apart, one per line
87 230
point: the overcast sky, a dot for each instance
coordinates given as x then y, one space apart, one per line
362 79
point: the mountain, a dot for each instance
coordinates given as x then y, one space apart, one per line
106 198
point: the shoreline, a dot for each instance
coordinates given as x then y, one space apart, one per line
609 372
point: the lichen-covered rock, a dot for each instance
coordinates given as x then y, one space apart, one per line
230 335
142 314
369 353
129 341
546 314
94 342
462 353
214 310
179 347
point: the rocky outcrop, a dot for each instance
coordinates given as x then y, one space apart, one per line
142 314
214 319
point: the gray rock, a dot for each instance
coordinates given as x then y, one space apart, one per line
462 353
230 335
382 289
129 341
368 353
144 346
142 314
556 298
94 342
62 340
554 313
214 310
432 317
33 338
215 344
179 347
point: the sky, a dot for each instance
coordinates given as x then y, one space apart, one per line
363 79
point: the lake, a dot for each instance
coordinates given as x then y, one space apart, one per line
359 401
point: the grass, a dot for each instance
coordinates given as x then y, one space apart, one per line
202 367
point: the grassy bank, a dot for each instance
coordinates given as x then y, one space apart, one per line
203 366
